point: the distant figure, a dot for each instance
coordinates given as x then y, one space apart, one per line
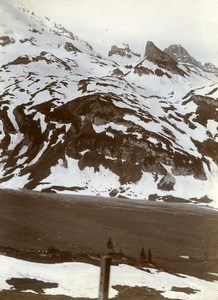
110 246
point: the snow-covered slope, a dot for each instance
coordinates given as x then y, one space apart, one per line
77 279
75 122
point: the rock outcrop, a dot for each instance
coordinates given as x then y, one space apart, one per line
181 55
6 40
162 59
72 121
209 67
123 51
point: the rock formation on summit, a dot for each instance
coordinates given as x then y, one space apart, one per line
122 51
181 55
162 59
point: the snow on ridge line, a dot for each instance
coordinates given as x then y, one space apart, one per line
13 11
77 279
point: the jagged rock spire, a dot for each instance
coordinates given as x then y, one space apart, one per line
162 59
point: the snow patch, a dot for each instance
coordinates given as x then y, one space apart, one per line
41 118
45 145
22 151
77 279
16 182
184 256
102 128
100 182
15 140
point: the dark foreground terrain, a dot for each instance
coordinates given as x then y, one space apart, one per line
32 221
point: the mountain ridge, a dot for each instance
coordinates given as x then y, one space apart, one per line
180 54
73 121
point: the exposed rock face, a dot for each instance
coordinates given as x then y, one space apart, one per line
118 73
206 110
167 183
140 70
123 51
181 55
209 67
6 40
73 121
126 155
162 59
70 47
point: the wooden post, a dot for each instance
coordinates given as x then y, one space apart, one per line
104 277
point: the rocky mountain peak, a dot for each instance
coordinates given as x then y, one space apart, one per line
153 53
123 51
180 54
151 50
162 59
209 67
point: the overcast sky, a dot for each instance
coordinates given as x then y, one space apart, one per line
191 23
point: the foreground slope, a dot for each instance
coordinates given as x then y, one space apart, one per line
183 240
56 281
75 122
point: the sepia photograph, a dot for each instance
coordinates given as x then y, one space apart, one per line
108 150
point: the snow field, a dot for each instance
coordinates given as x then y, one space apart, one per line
82 280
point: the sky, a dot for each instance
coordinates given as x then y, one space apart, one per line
191 23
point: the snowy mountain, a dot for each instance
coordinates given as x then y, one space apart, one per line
73 121
180 54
